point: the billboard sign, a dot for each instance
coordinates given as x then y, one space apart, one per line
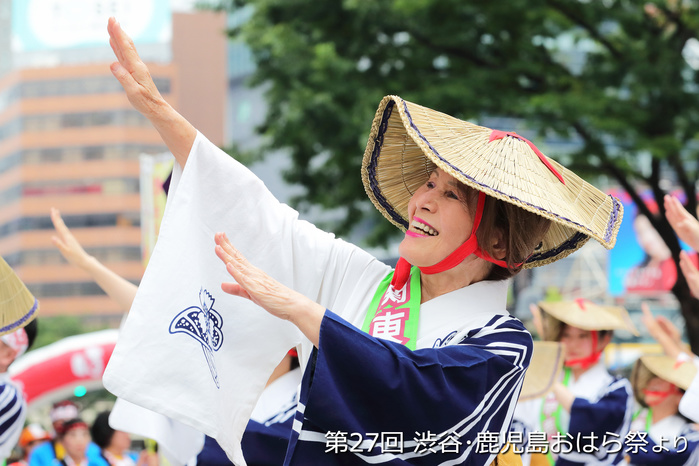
39 25
641 263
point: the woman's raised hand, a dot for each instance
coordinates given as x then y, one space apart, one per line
177 133
133 74
690 272
117 287
662 331
685 225
266 292
66 243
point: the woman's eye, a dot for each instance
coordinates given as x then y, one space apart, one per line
452 195
430 184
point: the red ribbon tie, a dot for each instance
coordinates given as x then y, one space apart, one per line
495 135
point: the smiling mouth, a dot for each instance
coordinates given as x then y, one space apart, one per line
421 227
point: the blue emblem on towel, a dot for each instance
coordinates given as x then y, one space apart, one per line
204 325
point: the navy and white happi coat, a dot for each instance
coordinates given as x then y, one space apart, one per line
672 441
13 411
462 380
600 417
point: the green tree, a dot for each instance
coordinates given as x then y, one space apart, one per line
53 329
609 74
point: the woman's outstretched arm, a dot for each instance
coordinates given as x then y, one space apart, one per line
119 289
177 133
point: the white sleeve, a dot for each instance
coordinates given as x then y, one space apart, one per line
196 354
269 233
689 405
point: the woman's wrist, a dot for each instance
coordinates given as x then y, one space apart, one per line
307 315
174 129
87 262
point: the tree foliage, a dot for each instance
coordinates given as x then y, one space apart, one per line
53 329
608 74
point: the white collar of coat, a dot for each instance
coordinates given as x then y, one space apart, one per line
461 310
592 381
670 427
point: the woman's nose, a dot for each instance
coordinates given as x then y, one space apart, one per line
426 201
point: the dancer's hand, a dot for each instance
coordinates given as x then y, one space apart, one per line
133 74
177 133
266 292
662 331
690 272
66 243
116 287
685 224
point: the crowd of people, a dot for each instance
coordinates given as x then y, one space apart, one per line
73 442
421 364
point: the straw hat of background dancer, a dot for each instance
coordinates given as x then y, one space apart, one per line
678 372
585 315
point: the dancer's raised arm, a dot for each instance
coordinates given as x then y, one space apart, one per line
177 133
118 288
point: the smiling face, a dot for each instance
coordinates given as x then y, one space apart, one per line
440 221
579 342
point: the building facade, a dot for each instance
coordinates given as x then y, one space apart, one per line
70 139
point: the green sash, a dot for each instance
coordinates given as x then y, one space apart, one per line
567 372
393 315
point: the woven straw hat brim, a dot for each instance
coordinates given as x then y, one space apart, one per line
19 307
592 317
544 367
408 141
665 367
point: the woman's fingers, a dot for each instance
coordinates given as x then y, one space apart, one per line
237 266
646 311
690 273
227 252
57 221
63 234
649 321
126 53
670 329
122 45
132 73
116 50
670 210
235 289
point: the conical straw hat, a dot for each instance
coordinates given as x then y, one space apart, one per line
585 315
659 365
544 367
18 305
408 141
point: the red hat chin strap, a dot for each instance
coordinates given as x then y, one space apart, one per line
660 395
590 360
470 246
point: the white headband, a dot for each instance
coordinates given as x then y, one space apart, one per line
64 412
17 340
